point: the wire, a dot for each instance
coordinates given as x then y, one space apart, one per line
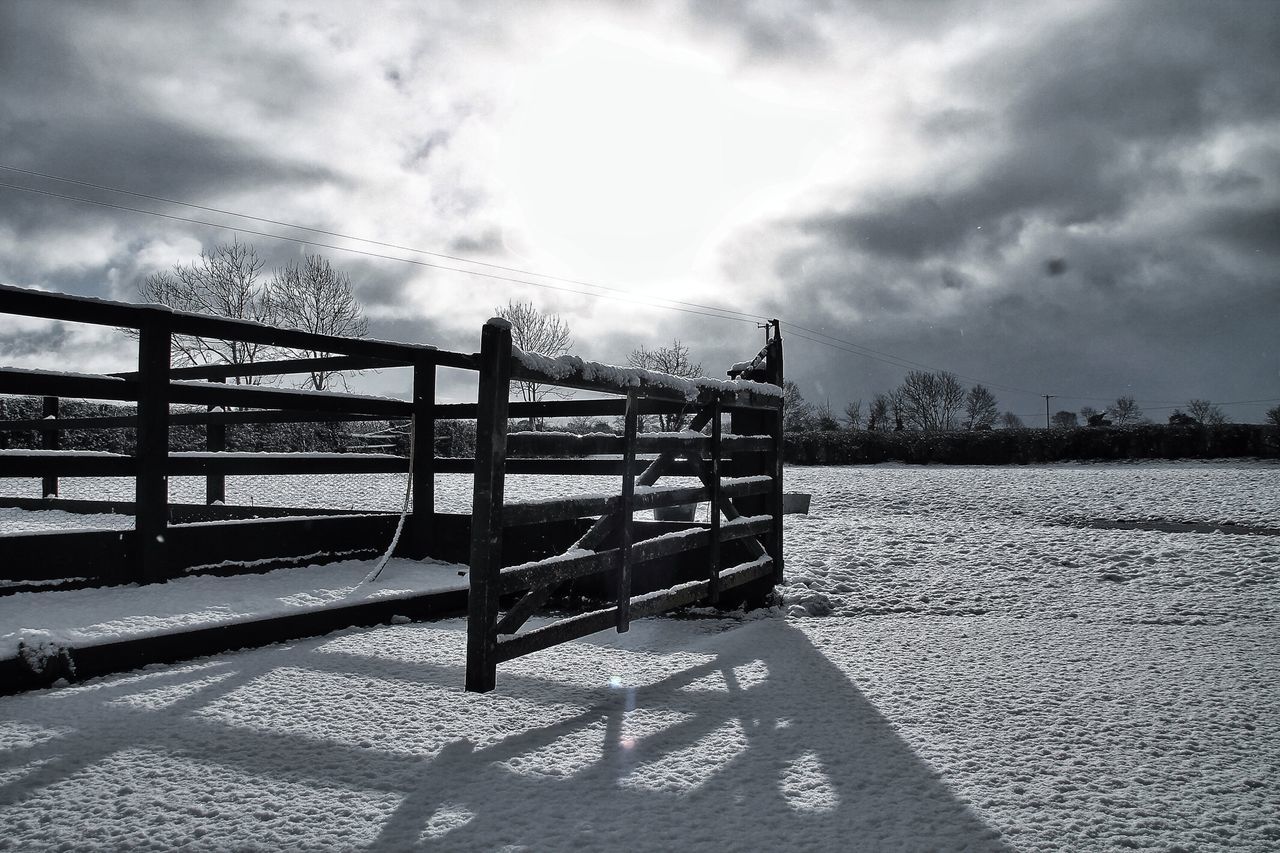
611 293
459 258
414 261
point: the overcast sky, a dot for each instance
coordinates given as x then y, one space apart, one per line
1073 198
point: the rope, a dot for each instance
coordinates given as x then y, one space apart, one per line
404 511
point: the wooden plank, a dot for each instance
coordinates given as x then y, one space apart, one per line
196 463
258 397
520 612
569 566
595 407
626 512
556 570
103 312
422 464
749 399
151 486
50 439
91 661
215 441
592 505
277 367
64 463
584 624
36 383
487 508
713 556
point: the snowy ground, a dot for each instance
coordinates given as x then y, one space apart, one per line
990 676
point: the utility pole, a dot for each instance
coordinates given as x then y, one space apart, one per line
1047 398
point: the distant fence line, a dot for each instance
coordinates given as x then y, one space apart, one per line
1032 446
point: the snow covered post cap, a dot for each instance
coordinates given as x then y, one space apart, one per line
499 323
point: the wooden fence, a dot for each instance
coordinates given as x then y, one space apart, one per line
520 552
747 493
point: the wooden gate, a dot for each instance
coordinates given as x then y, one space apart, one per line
738 474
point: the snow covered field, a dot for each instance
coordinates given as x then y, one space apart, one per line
961 664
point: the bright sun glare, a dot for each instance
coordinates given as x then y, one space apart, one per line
624 156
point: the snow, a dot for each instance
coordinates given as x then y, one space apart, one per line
992 676
85 616
564 366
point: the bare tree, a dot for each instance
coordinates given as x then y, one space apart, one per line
673 360
1087 413
878 414
225 282
314 297
980 408
797 415
538 333
1065 419
930 401
1125 411
1011 421
1273 416
853 415
1205 412
825 419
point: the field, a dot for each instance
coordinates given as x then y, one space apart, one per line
1062 657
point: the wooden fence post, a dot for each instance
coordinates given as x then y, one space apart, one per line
775 456
151 486
486 504
423 426
714 506
50 439
215 485
629 430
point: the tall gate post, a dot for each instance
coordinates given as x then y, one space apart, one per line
151 486
423 473
50 439
774 373
486 504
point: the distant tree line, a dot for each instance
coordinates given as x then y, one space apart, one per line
937 401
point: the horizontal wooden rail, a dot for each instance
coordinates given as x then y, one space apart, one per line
641 606
744 397
265 416
21 381
259 397
278 367
65 463
89 386
565 444
103 312
536 512
567 567
193 464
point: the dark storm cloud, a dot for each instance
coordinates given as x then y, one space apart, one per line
58 106
1070 142
1100 109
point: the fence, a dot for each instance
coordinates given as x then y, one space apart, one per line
157 549
750 499
519 552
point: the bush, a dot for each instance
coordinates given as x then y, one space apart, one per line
1031 446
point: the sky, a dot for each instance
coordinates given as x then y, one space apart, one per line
1075 198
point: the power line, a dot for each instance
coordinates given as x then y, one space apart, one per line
397 246
611 293
414 261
